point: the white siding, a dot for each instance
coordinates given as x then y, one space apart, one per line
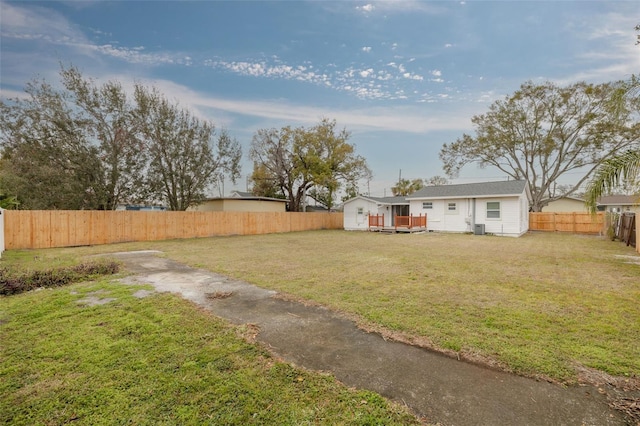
513 220
354 221
440 218
509 221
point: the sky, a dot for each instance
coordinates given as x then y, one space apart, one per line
403 77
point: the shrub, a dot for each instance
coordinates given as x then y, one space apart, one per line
15 283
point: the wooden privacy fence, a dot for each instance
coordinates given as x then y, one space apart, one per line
30 229
579 223
625 228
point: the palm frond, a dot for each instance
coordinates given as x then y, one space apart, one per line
612 173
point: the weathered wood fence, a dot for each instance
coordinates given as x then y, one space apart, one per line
578 223
625 228
25 229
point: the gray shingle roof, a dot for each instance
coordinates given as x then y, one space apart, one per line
390 200
619 200
509 187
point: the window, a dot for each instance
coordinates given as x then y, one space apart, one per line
360 211
452 207
427 205
493 210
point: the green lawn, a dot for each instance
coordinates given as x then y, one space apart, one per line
543 305
156 360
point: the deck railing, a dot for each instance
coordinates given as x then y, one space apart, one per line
411 221
376 221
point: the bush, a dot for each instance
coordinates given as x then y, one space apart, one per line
15 283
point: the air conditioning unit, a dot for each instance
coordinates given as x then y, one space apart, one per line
479 229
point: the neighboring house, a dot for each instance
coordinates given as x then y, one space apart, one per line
500 208
357 211
566 205
620 203
241 202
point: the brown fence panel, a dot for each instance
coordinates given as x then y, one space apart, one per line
579 223
59 228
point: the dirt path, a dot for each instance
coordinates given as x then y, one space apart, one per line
441 389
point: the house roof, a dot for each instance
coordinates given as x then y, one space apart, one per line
389 200
480 189
250 198
380 200
619 200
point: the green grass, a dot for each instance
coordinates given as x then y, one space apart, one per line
157 360
541 305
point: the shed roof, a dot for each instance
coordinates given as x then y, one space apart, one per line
480 189
619 200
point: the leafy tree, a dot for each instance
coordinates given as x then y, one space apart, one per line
8 202
108 118
331 160
301 162
350 191
263 184
89 146
47 160
436 181
186 157
406 187
543 132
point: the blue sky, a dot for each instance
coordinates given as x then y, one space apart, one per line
403 77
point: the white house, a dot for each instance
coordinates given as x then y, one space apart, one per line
357 211
500 208
619 204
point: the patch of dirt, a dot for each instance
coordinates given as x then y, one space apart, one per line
623 393
249 332
218 295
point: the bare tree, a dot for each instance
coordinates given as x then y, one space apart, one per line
543 132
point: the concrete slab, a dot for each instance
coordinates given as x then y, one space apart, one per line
438 388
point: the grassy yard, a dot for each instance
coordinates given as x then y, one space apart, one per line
544 305
157 360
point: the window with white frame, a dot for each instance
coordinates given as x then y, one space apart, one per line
427 205
452 207
493 210
360 211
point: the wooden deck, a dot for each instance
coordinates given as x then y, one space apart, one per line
405 224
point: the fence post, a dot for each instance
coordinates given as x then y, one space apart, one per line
1 231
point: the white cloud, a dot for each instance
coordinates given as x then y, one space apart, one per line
366 8
412 76
366 73
436 73
366 49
